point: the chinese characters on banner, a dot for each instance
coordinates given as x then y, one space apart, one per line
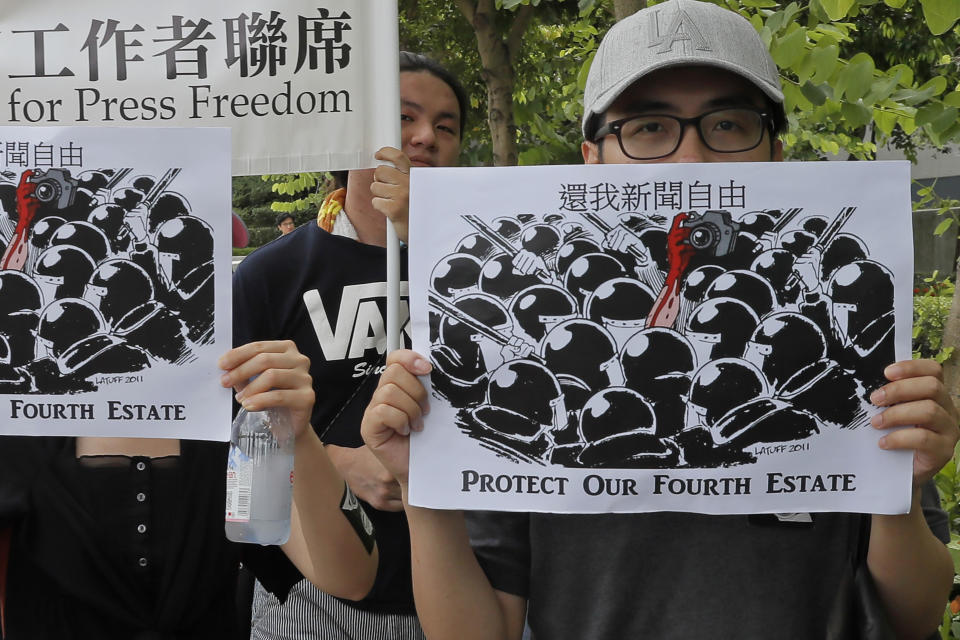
303 86
114 282
604 196
659 337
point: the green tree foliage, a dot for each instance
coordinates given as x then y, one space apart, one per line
255 199
855 72
302 192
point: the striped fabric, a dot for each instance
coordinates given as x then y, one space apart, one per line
310 614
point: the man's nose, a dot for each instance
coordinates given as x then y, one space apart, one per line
691 147
423 135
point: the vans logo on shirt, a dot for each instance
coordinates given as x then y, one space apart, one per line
360 325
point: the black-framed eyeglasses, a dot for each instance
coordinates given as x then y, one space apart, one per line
656 135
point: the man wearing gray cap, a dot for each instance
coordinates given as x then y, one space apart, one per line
683 81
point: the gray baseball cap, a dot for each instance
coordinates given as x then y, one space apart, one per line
671 34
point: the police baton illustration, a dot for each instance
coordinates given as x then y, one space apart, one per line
115 179
161 185
594 219
502 243
825 238
785 219
436 301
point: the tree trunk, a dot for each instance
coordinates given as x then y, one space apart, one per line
624 8
951 338
497 55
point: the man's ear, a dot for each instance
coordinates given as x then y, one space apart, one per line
776 153
591 152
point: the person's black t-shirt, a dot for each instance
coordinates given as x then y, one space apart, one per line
327 293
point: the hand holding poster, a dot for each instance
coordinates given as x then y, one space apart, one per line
660 337
114 285
303 87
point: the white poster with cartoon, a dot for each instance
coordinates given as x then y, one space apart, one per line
114 281
659 337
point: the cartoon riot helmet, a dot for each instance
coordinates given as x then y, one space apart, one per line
500 279
8 200
658 362
697 281
43 230
110 219
168 206
720 328
744 251
20 302
93 180
815 225
583 356
843 249
62 272
757 223
82 203
65 322
776 266
18 292
477 246
184 244
129 198
570 250
84 236
852 310
783 344
507 228
613 411
721 386
143 183
117 287
655 241
655 354
619 428
588 272
621 305
459 336
455 275
541 240
746 286
797 242
523 400
539 308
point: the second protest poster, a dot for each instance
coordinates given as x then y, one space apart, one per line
114 282
660 337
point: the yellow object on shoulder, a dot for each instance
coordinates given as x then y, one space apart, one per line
331 206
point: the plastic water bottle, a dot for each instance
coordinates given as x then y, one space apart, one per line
260 477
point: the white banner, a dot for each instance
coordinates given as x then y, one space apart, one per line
303 86
666 337
114 282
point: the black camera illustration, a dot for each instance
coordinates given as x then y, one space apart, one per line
713 232
54 185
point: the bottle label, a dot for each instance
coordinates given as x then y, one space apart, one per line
239 485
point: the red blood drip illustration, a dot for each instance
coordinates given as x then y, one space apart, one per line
27 205
679 253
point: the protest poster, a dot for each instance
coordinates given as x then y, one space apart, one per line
661 337
303 87
114 282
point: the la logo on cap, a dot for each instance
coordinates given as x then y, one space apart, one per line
681 29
